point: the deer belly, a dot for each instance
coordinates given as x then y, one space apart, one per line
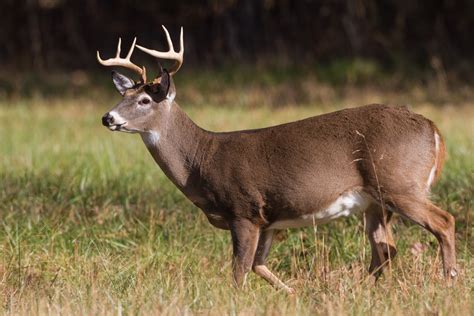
345 205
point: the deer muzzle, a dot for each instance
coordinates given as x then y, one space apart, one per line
113 121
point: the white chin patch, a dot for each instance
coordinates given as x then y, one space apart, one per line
116 127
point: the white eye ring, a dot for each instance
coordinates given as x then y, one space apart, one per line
144 101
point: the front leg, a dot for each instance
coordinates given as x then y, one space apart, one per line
244 240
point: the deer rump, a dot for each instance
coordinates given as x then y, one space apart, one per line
317 169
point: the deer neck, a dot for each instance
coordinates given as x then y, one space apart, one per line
176 145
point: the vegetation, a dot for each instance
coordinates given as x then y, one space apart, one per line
434 34
90 225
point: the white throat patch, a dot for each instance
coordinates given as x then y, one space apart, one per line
151 138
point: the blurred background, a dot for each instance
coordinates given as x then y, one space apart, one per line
336 40
90 225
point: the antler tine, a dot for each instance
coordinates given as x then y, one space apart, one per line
177 56
168 38
124 62
130 52
119 48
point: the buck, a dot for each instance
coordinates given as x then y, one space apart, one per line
374 159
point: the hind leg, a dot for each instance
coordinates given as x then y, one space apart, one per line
439 222
380 236
259 266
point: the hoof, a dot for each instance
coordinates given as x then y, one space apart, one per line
290 291
451 276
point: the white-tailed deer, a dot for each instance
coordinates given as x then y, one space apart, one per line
376 159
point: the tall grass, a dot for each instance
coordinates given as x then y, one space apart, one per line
90 225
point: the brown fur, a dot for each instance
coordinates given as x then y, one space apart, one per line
246 180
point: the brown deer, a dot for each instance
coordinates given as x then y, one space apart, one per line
376 159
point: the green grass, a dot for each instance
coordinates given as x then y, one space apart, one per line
90 225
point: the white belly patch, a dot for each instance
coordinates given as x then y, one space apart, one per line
345 205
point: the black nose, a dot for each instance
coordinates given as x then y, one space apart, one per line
107 119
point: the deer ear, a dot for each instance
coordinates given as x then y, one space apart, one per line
122 83
168 85
160 70
162 87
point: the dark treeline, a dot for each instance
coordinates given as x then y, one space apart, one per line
64 34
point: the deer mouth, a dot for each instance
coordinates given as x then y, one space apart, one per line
117 127
123 127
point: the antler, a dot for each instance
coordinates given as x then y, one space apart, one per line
171 53
124 62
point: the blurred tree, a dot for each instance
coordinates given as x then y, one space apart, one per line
45 34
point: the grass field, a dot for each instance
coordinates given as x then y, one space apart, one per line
90 225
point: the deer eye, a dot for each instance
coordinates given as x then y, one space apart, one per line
144 101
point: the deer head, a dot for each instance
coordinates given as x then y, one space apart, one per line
145 105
